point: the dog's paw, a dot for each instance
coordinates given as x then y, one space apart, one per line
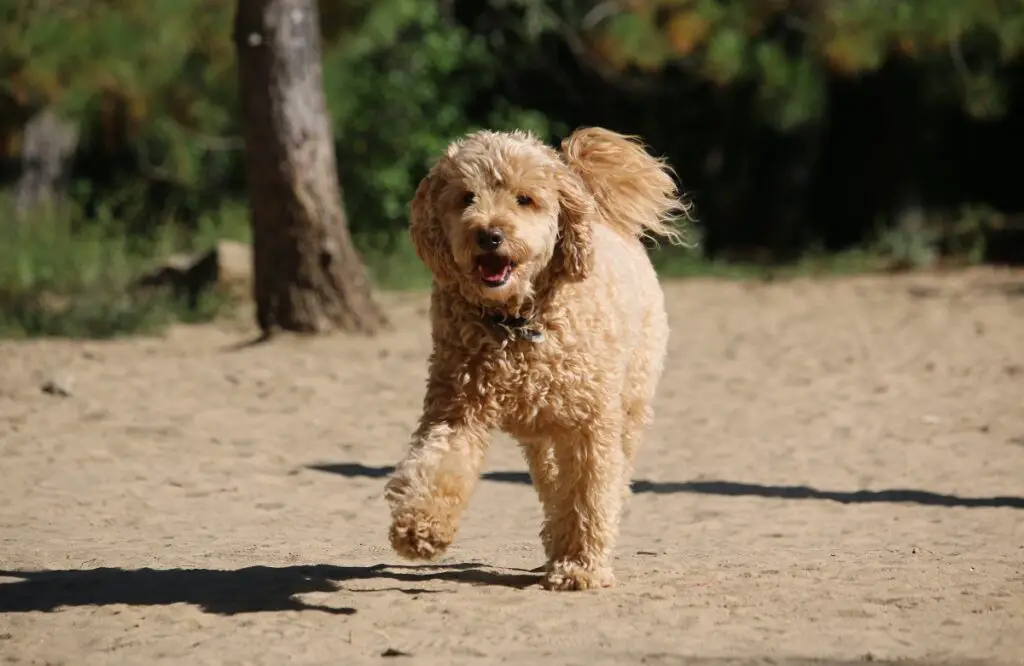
569 576
417 534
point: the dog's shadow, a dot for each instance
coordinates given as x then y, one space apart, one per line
229 592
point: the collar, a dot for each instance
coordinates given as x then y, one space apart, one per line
514 328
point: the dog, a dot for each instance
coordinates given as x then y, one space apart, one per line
548 323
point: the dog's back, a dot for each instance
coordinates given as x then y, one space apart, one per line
635 196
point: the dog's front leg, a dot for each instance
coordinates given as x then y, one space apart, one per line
582 516
430 487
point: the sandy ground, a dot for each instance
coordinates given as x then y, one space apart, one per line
836 474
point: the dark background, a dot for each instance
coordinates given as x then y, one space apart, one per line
798 127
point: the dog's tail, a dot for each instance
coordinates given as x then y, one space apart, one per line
635 192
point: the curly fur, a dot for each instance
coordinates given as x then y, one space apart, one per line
579 401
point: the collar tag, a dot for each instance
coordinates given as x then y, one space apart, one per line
532 334
516 328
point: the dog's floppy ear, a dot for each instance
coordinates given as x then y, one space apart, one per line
425 228
574 251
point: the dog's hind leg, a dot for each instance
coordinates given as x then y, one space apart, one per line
643 373
638 417
582 513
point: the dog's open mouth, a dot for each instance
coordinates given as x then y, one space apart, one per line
495 270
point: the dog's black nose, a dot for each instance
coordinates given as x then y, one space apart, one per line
489 239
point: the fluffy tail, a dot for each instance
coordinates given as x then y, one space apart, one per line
635 191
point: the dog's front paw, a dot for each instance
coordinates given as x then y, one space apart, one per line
417 534
567 576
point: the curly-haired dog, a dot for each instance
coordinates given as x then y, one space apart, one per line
548 322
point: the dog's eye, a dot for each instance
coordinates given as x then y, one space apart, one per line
524 200
467 198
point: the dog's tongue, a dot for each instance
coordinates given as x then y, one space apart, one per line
493 269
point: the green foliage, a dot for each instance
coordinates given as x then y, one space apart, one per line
398 90
59 277
792 91
153 87
156 80
786 49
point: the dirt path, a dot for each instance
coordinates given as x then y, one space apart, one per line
837 473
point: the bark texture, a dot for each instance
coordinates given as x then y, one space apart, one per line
308 276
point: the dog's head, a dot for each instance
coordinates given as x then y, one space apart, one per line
499 212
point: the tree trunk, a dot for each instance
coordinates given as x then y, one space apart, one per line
48 147
308 276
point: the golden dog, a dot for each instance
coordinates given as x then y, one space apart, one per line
548 322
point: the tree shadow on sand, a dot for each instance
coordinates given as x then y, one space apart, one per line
227 592
735 489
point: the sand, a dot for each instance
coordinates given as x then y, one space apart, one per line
836 474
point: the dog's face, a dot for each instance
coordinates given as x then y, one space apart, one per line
497 212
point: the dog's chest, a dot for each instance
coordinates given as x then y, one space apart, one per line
528 385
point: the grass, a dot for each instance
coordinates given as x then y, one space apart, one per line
59 277
393 264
